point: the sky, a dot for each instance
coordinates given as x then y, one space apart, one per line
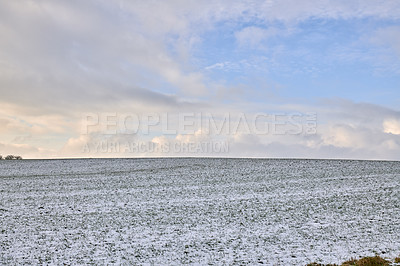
273 79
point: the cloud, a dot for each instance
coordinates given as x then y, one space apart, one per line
26 151
294 10
69 58
345 136
337 136
99 145
254 37
388 36
37 125
391 126
59 59
344 130
58 56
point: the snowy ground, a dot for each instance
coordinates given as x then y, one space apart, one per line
208 211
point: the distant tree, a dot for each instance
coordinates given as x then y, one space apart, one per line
10 157
1 157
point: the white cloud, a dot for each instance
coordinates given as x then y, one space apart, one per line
254 37
389 37
355 137
345 136
81 53
391 126
61 58
26 151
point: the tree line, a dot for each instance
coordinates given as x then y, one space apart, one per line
11 157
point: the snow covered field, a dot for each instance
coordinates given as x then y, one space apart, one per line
173 211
